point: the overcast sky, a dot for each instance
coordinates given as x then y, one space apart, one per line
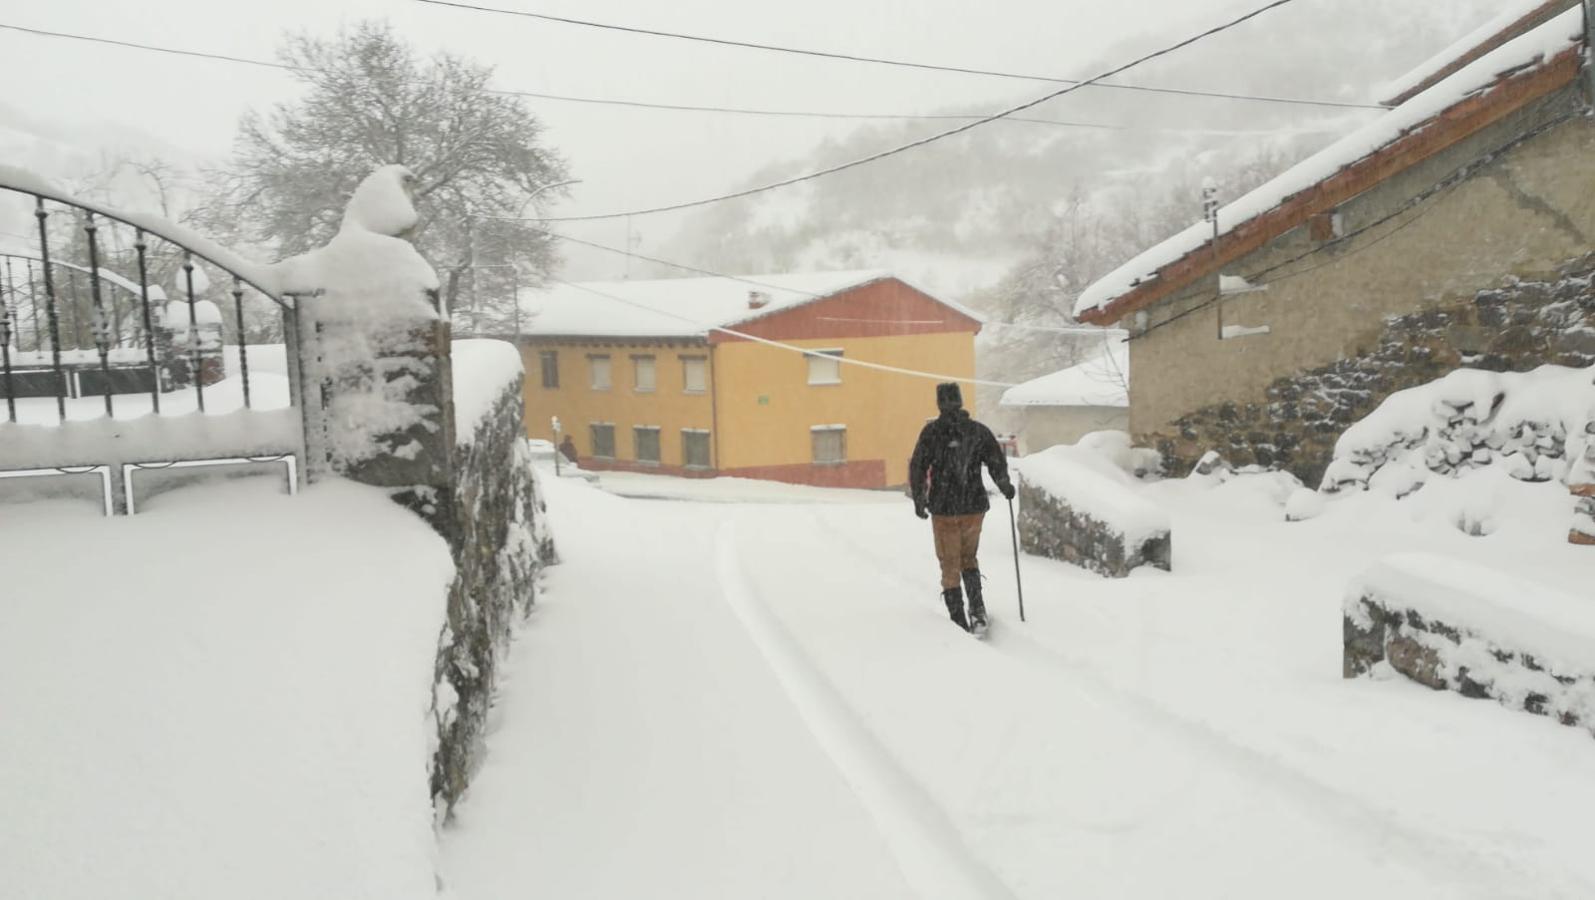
625 157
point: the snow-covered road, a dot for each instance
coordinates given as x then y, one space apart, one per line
764 699
644 747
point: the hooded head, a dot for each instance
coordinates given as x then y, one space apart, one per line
949 398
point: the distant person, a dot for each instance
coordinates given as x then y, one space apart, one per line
567 449
944 476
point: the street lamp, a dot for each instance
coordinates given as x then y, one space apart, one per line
520 216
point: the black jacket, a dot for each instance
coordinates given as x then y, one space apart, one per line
944 473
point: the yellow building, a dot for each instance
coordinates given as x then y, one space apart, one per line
676 376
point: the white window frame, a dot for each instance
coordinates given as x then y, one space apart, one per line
636 446
637 361
814 356
817 430
686 461
687 362
544 357
592 371
592 436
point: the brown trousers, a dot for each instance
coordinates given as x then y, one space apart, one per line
957 542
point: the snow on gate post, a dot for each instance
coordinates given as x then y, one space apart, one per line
374 367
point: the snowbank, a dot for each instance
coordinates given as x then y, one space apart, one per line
1540 44
230 701
135 435
1530 423
483 371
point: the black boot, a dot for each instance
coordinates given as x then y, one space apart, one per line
977 603
954 599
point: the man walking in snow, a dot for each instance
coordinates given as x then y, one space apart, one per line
944 476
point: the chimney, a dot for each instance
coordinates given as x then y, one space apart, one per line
758 299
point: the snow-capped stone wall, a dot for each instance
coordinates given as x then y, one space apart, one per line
497 529
1455 626
1295 425
1078 507
391 401
1530 423
1534 426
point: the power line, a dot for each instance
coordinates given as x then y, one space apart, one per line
626 103
844 360
940 135
848 57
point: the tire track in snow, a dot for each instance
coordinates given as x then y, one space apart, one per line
1450 860
929 849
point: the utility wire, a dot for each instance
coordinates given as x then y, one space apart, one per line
825 54
879 367
633 104
940 135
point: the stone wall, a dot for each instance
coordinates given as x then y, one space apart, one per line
1486 646
1050 526
1474 256
1294 425
495 527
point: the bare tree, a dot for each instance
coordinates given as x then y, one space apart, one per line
371 101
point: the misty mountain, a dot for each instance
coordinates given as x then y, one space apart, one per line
962 214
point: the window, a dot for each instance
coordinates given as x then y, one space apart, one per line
550 363
647 442
830 444
603 441
694 374
695 448
643 379
599 371
825 367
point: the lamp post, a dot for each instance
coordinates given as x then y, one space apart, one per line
520 215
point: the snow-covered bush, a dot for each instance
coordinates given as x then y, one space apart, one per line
1529 423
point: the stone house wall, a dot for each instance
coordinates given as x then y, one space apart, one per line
1491 269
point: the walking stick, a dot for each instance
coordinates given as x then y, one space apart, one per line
1013 529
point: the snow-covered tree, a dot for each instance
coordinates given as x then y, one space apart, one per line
372 100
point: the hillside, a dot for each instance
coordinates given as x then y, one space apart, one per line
1013 212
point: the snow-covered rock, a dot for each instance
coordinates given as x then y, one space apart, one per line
1079 506
1531 424
1454 625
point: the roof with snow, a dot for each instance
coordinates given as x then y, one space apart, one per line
1103 380
1477 95
682 307
1516 18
